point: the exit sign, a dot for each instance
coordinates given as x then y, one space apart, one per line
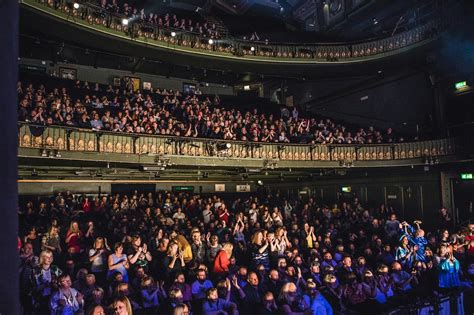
460 85
467 176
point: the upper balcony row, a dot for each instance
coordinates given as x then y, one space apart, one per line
211 43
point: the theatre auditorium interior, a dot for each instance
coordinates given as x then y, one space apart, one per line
244 157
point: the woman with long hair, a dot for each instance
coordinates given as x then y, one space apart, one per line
259 250
281 241
174 260
404 253
51 241
121 306
139 255
74 238
98 259
118 262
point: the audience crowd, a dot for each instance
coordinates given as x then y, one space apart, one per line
179 253
168 112
165 21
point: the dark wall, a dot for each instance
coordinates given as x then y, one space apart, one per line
401 101
413 196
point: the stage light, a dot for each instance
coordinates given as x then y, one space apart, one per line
76 5
125 22
211 41
173 34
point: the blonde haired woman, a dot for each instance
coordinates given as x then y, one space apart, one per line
74 238
44 278
290 303
51 241
122 306
282 241
222 261
98 259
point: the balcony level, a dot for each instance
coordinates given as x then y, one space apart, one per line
79 152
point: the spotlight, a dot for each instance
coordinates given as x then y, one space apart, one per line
259 183
76 5
211 41
125 22
252 48
173 34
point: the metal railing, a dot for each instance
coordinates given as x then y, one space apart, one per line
96 17
86 140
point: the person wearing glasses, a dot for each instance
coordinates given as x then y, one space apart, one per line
66 300
122 306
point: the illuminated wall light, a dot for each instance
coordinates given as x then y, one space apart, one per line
125 22
461 85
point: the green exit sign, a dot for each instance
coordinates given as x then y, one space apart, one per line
460 85
466 176
183 188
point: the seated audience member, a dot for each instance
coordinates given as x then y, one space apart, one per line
66 300
213 305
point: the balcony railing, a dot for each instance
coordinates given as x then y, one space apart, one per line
81 140
93 17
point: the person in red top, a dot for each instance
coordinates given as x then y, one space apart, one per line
74 238
222 261
470 243
224 214
86 205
